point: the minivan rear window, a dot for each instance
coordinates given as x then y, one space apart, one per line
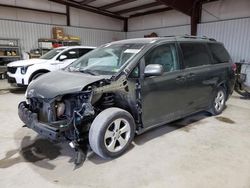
219 53
195 54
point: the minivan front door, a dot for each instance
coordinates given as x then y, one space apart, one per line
163 97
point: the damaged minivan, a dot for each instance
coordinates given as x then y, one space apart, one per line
127 87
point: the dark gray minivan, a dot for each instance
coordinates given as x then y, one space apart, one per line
127 87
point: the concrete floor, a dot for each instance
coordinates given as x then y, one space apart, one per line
199 151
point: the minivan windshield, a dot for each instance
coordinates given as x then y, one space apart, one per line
51 53
106 60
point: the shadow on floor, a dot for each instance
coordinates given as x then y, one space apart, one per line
14 90
98 160
38 152
185 124
41 152
17 90
238 96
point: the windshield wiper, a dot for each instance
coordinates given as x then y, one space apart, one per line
89 72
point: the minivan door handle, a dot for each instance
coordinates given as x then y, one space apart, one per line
190 75
180 78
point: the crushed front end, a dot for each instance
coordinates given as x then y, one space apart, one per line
59 118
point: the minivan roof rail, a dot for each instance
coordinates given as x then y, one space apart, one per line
198 37
191 37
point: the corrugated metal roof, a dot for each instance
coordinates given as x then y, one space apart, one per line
100 3
116 8
131 5
144 10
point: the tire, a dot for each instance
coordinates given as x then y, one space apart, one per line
111 132
218 102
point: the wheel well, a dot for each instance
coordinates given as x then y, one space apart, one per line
37 72
109 100
224 85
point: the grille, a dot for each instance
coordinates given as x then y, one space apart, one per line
11 70
11 80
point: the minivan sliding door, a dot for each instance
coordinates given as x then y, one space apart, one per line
198 73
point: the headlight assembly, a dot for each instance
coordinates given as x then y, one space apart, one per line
24 69
60 109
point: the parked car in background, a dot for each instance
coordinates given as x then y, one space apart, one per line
22 72
128 87
242 85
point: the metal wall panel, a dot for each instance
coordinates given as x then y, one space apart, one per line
81 18
167 31
224 10
29 33
165 19
235 34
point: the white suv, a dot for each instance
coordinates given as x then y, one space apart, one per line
21 73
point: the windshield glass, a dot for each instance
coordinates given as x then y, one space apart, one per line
51 53
106 60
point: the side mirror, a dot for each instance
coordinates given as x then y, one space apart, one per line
62 57
153 70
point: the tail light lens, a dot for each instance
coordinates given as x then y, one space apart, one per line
234 67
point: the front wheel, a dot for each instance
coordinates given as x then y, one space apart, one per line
36 76
219 101
111 132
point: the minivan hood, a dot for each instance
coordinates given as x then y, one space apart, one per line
60 82
26 62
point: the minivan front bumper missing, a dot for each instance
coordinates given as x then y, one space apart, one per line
31 121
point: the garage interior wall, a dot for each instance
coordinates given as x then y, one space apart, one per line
28 26
227 21
164 24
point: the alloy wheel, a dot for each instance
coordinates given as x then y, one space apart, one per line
117 135
219 101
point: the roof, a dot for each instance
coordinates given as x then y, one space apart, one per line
136 40
123 9
73 47
167 38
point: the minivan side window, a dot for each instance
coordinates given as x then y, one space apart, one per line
195 54
164 55
219 53
135 73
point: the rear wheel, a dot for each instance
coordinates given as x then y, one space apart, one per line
111 132
219 101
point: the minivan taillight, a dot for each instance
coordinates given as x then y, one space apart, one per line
234 67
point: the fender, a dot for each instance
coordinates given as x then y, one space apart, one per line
38 71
